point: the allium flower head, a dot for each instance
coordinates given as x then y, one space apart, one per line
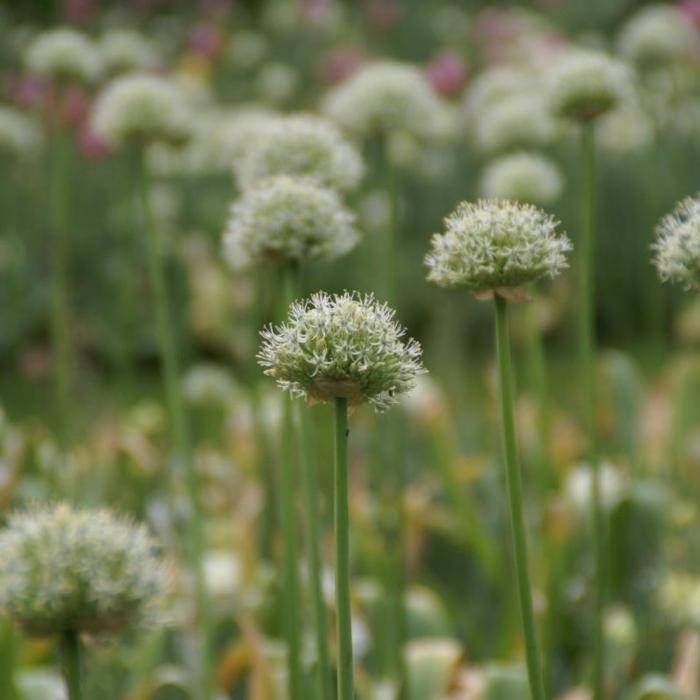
496 247
141 108
80 570
659 35
127 51
19 134
495 85
584 85
287 219
341 346
63 54
385 96
524 177
677 247
302 145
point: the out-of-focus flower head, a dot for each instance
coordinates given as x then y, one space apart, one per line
288 220
339 64
205 39
127 51
524 177
246 49
447 72
302 145
386 96
142 108
341 346
277 83
63 55
20 135
577 488
626 129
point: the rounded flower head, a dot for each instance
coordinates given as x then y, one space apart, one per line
141 108
496 247
302 145
79 570
341 346
19 134
677 247
126 51
63 54
584 85
659 35
286 219
384 97
524 177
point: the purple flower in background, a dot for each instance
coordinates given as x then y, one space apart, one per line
447 72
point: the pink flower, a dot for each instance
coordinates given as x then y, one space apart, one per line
90 145
339 64
78 11
74 106
691 8
316 12
382 14
447 72
205 39
31 91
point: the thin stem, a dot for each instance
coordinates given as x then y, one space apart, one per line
70 652
586 341
179 426
342 554
311 491
514 488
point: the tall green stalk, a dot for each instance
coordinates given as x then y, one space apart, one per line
515 500
342 553
71 658
179 427
586 343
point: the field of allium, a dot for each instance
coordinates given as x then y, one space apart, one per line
349 350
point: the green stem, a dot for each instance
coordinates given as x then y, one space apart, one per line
311 491
586 341
514 488
70 651
342 554
179 426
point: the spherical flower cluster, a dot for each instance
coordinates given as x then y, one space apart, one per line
659 35
78 570
385 96
141 108
19 134
524 177
342 346
241 129
127 51
625 130
677 248
306 146
494 85
63 54
496 247
584 85
286 219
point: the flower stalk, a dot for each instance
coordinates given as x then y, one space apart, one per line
71 653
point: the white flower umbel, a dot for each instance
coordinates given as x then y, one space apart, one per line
20 135
496 247
677 248
127 51
288 220
524 177
64 55
302 145
142 108
345 346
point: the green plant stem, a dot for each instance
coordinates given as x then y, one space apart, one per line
313 525
514 488
179 427
59 187
586 340
70 652
342 554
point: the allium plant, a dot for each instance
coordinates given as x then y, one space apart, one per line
677 247
63 55
127 51
493 248
346 349
70 572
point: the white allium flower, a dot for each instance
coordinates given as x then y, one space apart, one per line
288 219
385 96
19 133
524 177
277 83
208 384
494 85
142 108
302 145
677 247
577 487
81 570
222 573
626 129
496 246
341 346
127 51
240 129
584 85
659 35
63 54
521 121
